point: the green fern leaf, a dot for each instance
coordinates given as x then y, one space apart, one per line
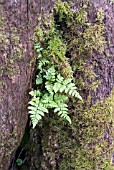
71 91
39 112
32 103
63 87
56 109
42 108
66 90
71 86
36 110
60 98
68 119
60 113
62 105
32 112
77 95
56 87
52 104
59 78
67 81
39 79
49 87
50 74
34 122
64 114
38 117
39 56
47 99
35 93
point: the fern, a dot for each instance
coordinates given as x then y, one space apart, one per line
36 108
53 90
50 74
39 79
66 85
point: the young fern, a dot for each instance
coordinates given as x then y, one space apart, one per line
36 108
54 93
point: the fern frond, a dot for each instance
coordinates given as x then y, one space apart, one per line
49 87
35 93
60 98
39 79
52 104
59 78
65 116
57 87
36 110
34 120
77 95
67 81
46 98
50 74
62 111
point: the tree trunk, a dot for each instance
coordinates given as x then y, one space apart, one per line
18 19
55 146
77 147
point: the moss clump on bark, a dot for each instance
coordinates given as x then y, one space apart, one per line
6 40
87 143
90 141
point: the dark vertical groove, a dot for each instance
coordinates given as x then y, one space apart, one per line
27 11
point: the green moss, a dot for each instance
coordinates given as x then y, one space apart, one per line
3 39
73 32
82 145
87 147
1 83
2 19
8 63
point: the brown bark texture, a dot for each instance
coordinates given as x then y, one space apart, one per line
18 19
105 62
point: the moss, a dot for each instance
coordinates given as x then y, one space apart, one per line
11 71
87 144
2 20
9 144
71 30
82 146
8 62
3 39
1 83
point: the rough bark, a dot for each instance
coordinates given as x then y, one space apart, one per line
105 62
18 19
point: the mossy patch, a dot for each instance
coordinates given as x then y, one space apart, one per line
90 141
87 143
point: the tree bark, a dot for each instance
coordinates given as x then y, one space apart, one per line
58 146
18 19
